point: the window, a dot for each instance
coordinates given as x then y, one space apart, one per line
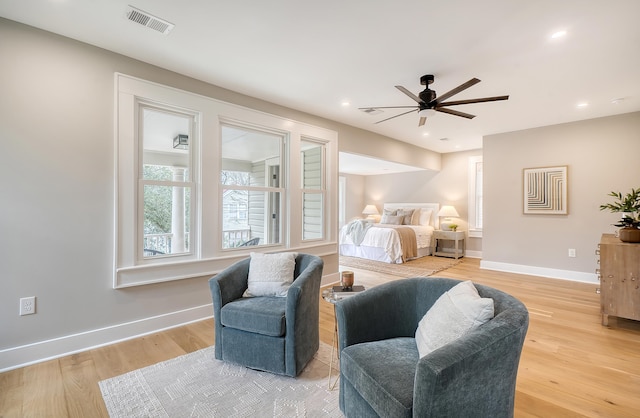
225 189
312 157
165 182
251 173
475 196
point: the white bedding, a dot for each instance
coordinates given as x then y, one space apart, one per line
386 239
383 244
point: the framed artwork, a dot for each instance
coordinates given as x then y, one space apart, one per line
545 190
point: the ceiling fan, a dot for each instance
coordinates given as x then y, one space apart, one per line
429 103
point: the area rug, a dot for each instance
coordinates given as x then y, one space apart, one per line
420 267
198 385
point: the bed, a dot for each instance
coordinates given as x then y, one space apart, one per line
388 241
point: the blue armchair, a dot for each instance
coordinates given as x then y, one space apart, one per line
382 374
274 334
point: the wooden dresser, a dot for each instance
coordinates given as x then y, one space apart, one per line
619 279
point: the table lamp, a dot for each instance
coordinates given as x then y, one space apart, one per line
447 212
371 211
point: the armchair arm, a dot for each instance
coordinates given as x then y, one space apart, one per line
230 283
481 367
226 286
302 313
379 313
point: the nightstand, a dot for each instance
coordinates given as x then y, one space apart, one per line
459 245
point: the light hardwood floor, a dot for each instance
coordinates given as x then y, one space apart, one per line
571 365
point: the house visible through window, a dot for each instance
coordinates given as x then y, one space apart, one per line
251 172
312 189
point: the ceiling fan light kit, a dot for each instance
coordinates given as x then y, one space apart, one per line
429 102
426 113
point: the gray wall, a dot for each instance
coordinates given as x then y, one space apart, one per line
57 183
601 155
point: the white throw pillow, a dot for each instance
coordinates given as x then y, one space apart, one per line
270 274
425 217
454 314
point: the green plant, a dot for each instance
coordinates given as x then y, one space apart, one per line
453 227
629 204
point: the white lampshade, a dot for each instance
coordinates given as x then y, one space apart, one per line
448 212
370 210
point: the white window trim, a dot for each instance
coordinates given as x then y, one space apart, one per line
208 258
474 230
342 198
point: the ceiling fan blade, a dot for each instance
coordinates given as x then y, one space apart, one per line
469 101
392 117
408 93
422 121
387 107
455 112
457 90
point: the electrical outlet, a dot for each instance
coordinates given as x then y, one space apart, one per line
572 252
28 305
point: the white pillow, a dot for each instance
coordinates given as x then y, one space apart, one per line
425 217
454 314
270 274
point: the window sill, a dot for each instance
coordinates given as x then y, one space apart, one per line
141 275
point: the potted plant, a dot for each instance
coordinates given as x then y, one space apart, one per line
629 206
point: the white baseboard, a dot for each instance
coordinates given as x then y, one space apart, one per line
473 254
15 357
576 276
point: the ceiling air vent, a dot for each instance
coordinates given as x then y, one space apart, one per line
371 111
145 19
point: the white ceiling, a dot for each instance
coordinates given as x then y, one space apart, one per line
313 55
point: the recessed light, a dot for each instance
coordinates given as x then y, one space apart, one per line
425 134
582 105
559 34
345 103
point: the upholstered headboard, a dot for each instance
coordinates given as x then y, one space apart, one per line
434 207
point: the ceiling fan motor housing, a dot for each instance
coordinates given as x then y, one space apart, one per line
427 96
